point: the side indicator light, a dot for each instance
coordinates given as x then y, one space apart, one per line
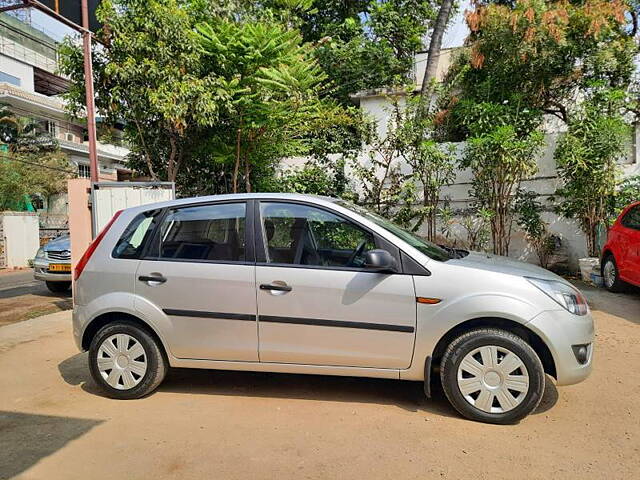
428 301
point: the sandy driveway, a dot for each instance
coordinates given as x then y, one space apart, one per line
220 425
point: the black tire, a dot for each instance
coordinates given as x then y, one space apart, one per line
474 339
618 284
157 364
58 287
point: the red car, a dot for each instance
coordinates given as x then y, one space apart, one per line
621 253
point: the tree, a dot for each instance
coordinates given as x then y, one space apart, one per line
435 45
148 75
527 59
30 164
274 100
500 159
587 157
536 230
368 44
432 163
382 184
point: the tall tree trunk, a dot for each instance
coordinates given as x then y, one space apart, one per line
172 171
433 55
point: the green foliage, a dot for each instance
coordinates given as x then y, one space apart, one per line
536 54
148 74
311 179
628 191
433 164
476 227
274 102
526 59
26 174
499 160
586 159
536 230
30 162
370 44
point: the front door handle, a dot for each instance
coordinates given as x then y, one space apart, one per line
152 278
277 288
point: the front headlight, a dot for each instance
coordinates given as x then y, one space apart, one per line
41 253
569 297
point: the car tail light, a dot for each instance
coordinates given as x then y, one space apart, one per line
92 247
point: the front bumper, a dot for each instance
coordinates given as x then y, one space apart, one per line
561 330
41 272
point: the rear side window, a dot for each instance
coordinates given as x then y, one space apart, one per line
632 218
205 233
136 235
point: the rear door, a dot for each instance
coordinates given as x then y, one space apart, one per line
200 272
317 305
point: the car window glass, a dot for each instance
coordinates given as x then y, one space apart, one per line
204 232
632 218
136 235
303 235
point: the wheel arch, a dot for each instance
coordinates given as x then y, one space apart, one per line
110 317
528 335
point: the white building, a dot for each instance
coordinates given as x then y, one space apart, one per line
30 87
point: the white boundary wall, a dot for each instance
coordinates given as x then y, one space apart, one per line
21 238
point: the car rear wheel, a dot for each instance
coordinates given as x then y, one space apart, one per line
493 376
611 277
58 287
126 361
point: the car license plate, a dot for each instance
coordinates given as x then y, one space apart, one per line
59 267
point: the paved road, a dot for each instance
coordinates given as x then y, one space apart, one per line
54 424
23 297
20 282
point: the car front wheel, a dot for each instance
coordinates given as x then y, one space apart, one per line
493 376
126 361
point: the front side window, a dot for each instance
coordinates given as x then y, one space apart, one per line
304 235
632 218
204 232
136 235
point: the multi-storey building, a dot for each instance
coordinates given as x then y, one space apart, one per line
30 86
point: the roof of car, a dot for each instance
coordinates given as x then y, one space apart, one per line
235 196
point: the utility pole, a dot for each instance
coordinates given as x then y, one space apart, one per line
90 101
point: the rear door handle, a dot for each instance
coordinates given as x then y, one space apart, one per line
277 288
152 278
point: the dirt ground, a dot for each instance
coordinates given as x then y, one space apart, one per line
234 425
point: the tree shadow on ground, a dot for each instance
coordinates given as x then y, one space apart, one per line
26 438
403 394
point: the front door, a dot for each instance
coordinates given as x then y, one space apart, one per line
317 305
200 274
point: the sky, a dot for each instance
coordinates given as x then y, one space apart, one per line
458 30
454 37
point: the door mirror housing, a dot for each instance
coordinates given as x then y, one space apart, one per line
381 261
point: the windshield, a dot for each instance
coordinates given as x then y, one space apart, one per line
431 250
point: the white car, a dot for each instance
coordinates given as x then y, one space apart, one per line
53 264
302 284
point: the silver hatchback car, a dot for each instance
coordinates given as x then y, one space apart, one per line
302 284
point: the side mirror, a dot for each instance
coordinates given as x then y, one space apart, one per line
380 261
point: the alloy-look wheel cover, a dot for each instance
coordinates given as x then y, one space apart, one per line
609 273
493 379
122 361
